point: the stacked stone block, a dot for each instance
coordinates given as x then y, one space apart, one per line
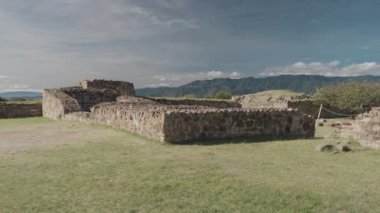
121 87
365 128
173 120
20 110
59 102
181 123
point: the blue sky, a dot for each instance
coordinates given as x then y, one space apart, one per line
52 43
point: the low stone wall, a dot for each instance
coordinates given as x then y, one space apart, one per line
134 100
226 124
199 102
56 104
311 107
89 97
143 120
20 110
254 101
122 87
365 128
172 120
180 123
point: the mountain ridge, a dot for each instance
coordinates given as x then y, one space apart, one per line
21 94
300 83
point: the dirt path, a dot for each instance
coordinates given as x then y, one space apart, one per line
19 136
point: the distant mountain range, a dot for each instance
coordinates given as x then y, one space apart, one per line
21 94
300 83
202 88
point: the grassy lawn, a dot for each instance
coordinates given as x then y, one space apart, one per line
289 93
51 166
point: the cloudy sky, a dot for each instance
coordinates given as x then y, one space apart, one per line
51 43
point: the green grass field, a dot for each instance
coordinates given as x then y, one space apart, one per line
50 166
289 93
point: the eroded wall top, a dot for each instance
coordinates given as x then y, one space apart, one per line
123 87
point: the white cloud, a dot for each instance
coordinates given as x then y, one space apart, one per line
365 47
362 69
215 74
221 74
20 86
235 74
69 40
158 85
332 68
176 79
164 78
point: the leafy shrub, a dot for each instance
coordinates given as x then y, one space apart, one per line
189 96
221 95
353 96
18 99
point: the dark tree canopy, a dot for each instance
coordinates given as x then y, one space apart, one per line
356 97
221 95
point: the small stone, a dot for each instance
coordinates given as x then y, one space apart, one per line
320 124
324 147
336 125
343 143
342 148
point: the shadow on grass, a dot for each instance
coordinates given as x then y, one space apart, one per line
242 140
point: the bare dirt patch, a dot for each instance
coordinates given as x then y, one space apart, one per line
20 135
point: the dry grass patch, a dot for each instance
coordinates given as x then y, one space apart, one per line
97 169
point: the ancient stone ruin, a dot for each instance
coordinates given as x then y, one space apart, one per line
279 101
20 110
365 128
113 103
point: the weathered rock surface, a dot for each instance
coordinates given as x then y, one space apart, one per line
58 102
338 147
179 123
365 128
174 120
342 148
281 101
324 147
121 87
20 110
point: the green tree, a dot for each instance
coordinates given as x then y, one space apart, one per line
221 95
353 96
189 96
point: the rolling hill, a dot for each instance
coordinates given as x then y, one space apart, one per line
300 83
21 94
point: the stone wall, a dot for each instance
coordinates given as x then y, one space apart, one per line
20 110
365 128
89 97
134 100
232 123
311 107
181 123
307 106
122 87
56 104
172 120
146 120
176 102
252 101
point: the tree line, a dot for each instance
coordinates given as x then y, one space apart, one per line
354 96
